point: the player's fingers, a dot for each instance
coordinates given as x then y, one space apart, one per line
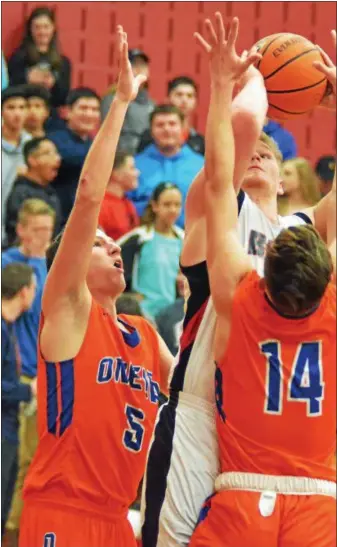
220 27
322 68
233 32
252 58
325 57
212 37
119 38
333 36
205 45
140 79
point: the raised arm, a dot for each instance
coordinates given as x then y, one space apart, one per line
248 112
226 260
66 282
323 215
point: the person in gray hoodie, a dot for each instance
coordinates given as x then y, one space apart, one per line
14 137
137 118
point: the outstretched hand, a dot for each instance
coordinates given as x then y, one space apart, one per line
328 68
128 85
225 63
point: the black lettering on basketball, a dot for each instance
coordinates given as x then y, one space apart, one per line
277 51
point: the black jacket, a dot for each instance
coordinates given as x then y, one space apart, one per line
18 67
194 141
23 189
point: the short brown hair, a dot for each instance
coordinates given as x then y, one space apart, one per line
14 277
34 207
269 141
166 109
297 269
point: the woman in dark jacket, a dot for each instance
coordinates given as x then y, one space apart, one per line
38 59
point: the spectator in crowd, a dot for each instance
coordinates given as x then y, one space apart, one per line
118 214
17 294
285 140
35 228
73 143
182 92
151 252
38 109
300 186
137 116
38 60
170 320
325 168
43 161
166 158
128 304
14 137
4 73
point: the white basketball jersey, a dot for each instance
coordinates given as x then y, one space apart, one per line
194 368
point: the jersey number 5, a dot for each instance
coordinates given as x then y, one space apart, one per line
305 382
133 436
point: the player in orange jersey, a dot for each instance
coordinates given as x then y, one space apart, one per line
275 349
98 373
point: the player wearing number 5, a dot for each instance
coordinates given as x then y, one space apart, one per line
98 373
275 349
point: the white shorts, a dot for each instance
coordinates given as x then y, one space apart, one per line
182 466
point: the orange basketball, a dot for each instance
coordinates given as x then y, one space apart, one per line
293 85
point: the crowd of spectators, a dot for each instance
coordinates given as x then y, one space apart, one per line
43 149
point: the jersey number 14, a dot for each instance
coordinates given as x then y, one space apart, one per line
305 382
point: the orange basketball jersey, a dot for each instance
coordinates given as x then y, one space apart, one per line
96 415
276 388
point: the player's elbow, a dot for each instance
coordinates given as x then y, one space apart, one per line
87 191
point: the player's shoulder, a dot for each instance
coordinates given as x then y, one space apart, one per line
248 286
296 219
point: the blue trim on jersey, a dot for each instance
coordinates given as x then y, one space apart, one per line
304 217
131 338
67 394
241 199
52 407
158 467
287 316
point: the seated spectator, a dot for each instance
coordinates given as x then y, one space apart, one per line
170 320
73 143
17 294
151 252
118 214
325 168
38 59
14 137
34 229
43 161
4 73
38 110
300 186
166 158
137 116
285 140
182 92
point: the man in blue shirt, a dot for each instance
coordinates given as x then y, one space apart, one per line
285 140
17 293
167 160
35 228
73 143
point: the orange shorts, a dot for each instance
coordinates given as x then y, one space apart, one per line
232 518
57 527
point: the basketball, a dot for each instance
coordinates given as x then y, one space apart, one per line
293 84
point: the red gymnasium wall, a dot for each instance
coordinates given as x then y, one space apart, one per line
165 31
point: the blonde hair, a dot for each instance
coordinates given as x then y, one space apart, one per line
269 141
308 183
34 207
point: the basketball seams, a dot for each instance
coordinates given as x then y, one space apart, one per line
266 49
289 61
299 89
286 111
